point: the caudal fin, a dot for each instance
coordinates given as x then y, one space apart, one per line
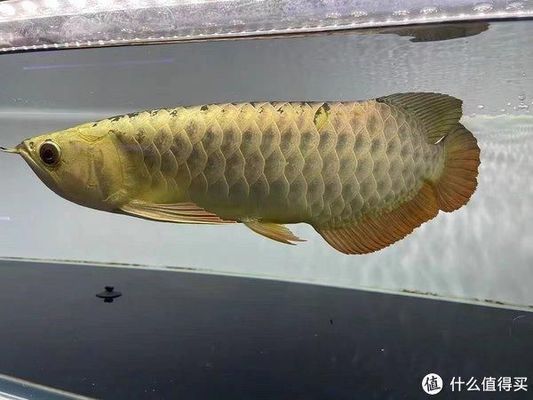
459 177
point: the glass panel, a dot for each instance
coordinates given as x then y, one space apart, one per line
19 389
482 251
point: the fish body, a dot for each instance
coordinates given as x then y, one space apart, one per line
363 174
320 163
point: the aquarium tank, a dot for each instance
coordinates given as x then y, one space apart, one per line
266 199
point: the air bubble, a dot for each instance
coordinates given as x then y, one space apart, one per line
7 9
78 3
483 7
522 105
514 6
333 15
359 13
481 106
51 3
401 13
428 10
508 104
29 6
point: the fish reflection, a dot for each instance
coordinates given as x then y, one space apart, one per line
438 32
363 174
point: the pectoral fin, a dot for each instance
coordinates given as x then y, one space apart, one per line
188 213
273 231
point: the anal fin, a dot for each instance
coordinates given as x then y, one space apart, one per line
188 213
373 233
273 231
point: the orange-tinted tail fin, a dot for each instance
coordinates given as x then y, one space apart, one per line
459 177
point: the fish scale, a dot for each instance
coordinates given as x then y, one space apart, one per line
276 161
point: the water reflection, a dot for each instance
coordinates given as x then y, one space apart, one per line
438 32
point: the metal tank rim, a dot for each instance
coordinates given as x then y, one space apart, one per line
30 25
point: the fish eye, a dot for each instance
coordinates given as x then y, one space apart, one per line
50 153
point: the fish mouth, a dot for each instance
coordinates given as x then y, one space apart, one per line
14 150
23 150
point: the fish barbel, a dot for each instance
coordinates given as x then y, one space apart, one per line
363 174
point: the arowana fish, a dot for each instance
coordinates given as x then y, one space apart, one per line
363 174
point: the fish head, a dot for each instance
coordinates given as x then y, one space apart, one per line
78 164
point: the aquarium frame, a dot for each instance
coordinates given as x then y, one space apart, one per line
27 25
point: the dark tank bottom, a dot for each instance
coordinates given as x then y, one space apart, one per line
194 336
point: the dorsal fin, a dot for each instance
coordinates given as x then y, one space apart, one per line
438 112
188 213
